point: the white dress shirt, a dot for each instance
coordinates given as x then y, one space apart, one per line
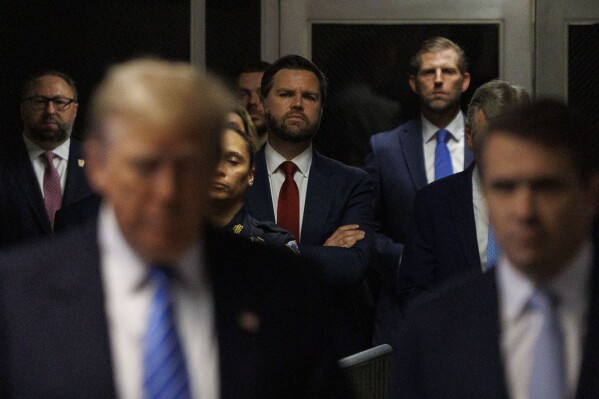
455 144
128 294
481 218
276 176
39 165
520 326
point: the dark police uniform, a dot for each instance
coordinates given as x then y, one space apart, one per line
266 232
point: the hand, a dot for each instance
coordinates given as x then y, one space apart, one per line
345 236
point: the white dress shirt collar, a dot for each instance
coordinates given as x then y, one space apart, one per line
571 285
35 151
128 299
455 128
519 326
273 160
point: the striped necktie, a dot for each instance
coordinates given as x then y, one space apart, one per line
165 371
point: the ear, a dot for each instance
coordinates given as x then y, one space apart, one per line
466 82
251 176
412 82
95 164
469 137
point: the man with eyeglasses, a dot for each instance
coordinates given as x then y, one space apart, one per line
44 171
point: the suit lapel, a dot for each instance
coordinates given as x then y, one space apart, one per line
76 317
234 304
411 144
24 176
319 197
258 199
494 375
76 186
482 339
462 211
588 384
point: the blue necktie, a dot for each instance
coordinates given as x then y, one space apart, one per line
442 157
492 248
547 380
165 373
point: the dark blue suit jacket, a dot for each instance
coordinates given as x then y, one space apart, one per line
54 339
22 209
449 347
337 195
396 164
78 213
442 243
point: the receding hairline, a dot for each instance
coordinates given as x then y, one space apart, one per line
32 79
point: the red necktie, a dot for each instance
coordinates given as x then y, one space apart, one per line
52 190
288 205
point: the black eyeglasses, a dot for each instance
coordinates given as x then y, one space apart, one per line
41 102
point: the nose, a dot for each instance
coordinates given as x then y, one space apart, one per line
50 108
165 184
254 98
438 77
298 101
220 168
524 203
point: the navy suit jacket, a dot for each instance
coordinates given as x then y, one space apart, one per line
337 195
396 164
54 339
442 243
450 346
22 209
78 213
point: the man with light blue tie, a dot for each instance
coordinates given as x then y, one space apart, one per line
404 160
449 232
528 328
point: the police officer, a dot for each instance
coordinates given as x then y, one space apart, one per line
234 174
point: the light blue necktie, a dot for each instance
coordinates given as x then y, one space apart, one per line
492 248
547 380
165 372
443 165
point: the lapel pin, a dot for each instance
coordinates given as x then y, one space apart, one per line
81 162
249 322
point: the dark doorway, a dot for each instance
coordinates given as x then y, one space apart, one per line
82 38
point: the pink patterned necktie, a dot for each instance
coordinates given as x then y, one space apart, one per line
52 190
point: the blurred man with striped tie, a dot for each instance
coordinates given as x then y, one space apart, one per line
143 302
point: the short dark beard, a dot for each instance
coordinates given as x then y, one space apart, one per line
279 130
58 135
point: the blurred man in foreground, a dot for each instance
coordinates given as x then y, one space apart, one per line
88 314
529 328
